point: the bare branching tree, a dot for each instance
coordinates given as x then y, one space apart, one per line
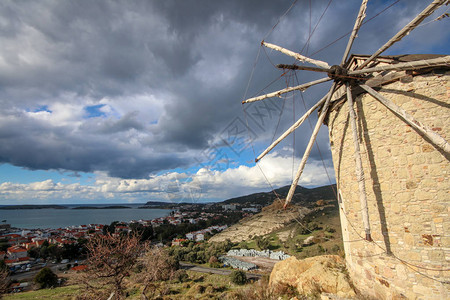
4 281
111 258
156 266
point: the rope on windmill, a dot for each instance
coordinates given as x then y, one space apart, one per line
292 128
322 115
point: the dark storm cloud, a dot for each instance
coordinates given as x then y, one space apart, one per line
169 75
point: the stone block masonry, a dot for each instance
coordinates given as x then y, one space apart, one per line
408 190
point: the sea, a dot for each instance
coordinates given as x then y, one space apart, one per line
60 218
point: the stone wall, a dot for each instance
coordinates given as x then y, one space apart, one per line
408 188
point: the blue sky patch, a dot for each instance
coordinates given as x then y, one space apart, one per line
40 108
94 111
10 173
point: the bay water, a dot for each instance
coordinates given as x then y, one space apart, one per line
60 218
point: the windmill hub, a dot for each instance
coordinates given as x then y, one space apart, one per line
338 73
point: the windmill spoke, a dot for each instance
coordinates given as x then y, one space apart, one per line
435 138
359 168
433 62
358 22
306 68
310 145
406 30
292 128
297 56
301 87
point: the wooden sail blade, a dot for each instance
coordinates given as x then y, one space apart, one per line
292 128
358 22
297 56
424 63
406 30
306 68
359 168
309 146
301 87
435 138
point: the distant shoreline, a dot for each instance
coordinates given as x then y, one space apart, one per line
29 206
105 207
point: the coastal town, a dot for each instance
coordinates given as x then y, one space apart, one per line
19 246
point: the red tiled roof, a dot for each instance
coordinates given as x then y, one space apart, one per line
15 249
23 258
13 235
79 268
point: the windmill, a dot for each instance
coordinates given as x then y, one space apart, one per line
350 78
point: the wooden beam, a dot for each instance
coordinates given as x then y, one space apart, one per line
435 138
309 146
406 30
410 65
301 87
306 68
297 56
359 168
358 22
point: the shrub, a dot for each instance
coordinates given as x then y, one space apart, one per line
181 275
335 249
262 243
214 262
321 249
46 278
238 277
243 245
330 229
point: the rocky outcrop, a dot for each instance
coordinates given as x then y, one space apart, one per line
313 275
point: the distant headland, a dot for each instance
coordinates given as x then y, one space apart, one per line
103 207
30 206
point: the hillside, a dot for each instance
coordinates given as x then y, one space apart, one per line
271 218
274 217
302 196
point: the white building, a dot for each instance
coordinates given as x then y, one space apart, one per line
199 237
229 207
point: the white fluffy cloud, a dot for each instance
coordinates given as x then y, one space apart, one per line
204 185
127 90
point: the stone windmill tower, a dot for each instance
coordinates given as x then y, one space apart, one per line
389 122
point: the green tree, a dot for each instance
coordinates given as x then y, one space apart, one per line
46 278
238 277
262 243
214 262
3 245
54 251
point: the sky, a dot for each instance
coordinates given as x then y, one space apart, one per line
135 101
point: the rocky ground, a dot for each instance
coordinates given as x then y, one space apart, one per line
272 218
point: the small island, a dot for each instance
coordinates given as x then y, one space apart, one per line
155 204
30 206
